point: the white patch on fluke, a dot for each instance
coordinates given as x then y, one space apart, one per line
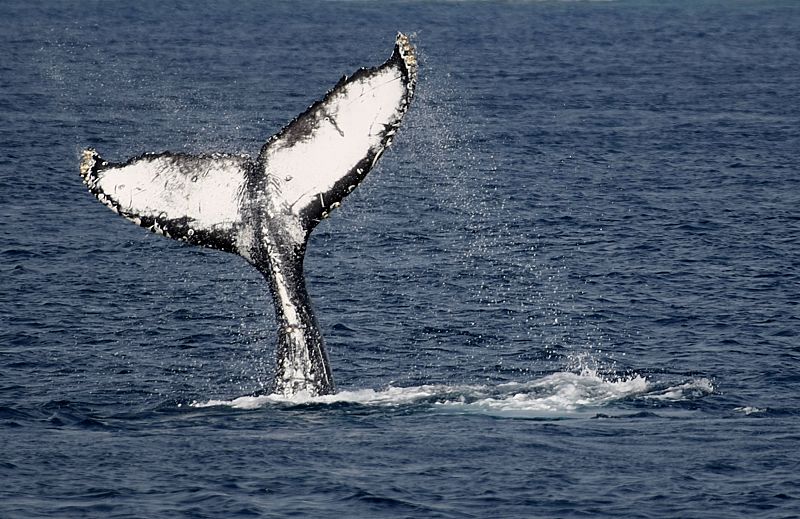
167 187
354 125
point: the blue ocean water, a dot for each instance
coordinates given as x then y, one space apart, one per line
570 288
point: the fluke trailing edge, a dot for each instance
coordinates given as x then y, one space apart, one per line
264 209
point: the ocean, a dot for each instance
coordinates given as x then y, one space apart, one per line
569 289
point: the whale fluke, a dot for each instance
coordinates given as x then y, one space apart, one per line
265 208
196 199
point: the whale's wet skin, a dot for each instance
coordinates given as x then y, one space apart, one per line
264 209
569 290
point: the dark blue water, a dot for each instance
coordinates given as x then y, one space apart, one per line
569 289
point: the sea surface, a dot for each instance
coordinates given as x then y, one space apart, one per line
569 289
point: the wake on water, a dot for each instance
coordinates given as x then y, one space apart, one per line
558 395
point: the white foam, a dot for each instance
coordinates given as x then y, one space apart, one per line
392 396
750 410
685 391
561 394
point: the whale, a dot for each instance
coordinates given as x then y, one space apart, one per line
264 208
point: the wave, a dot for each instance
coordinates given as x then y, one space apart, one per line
561 394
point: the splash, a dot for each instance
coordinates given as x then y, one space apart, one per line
748 410
686 391
558 395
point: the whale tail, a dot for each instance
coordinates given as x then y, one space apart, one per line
307 168
191 198
265 208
